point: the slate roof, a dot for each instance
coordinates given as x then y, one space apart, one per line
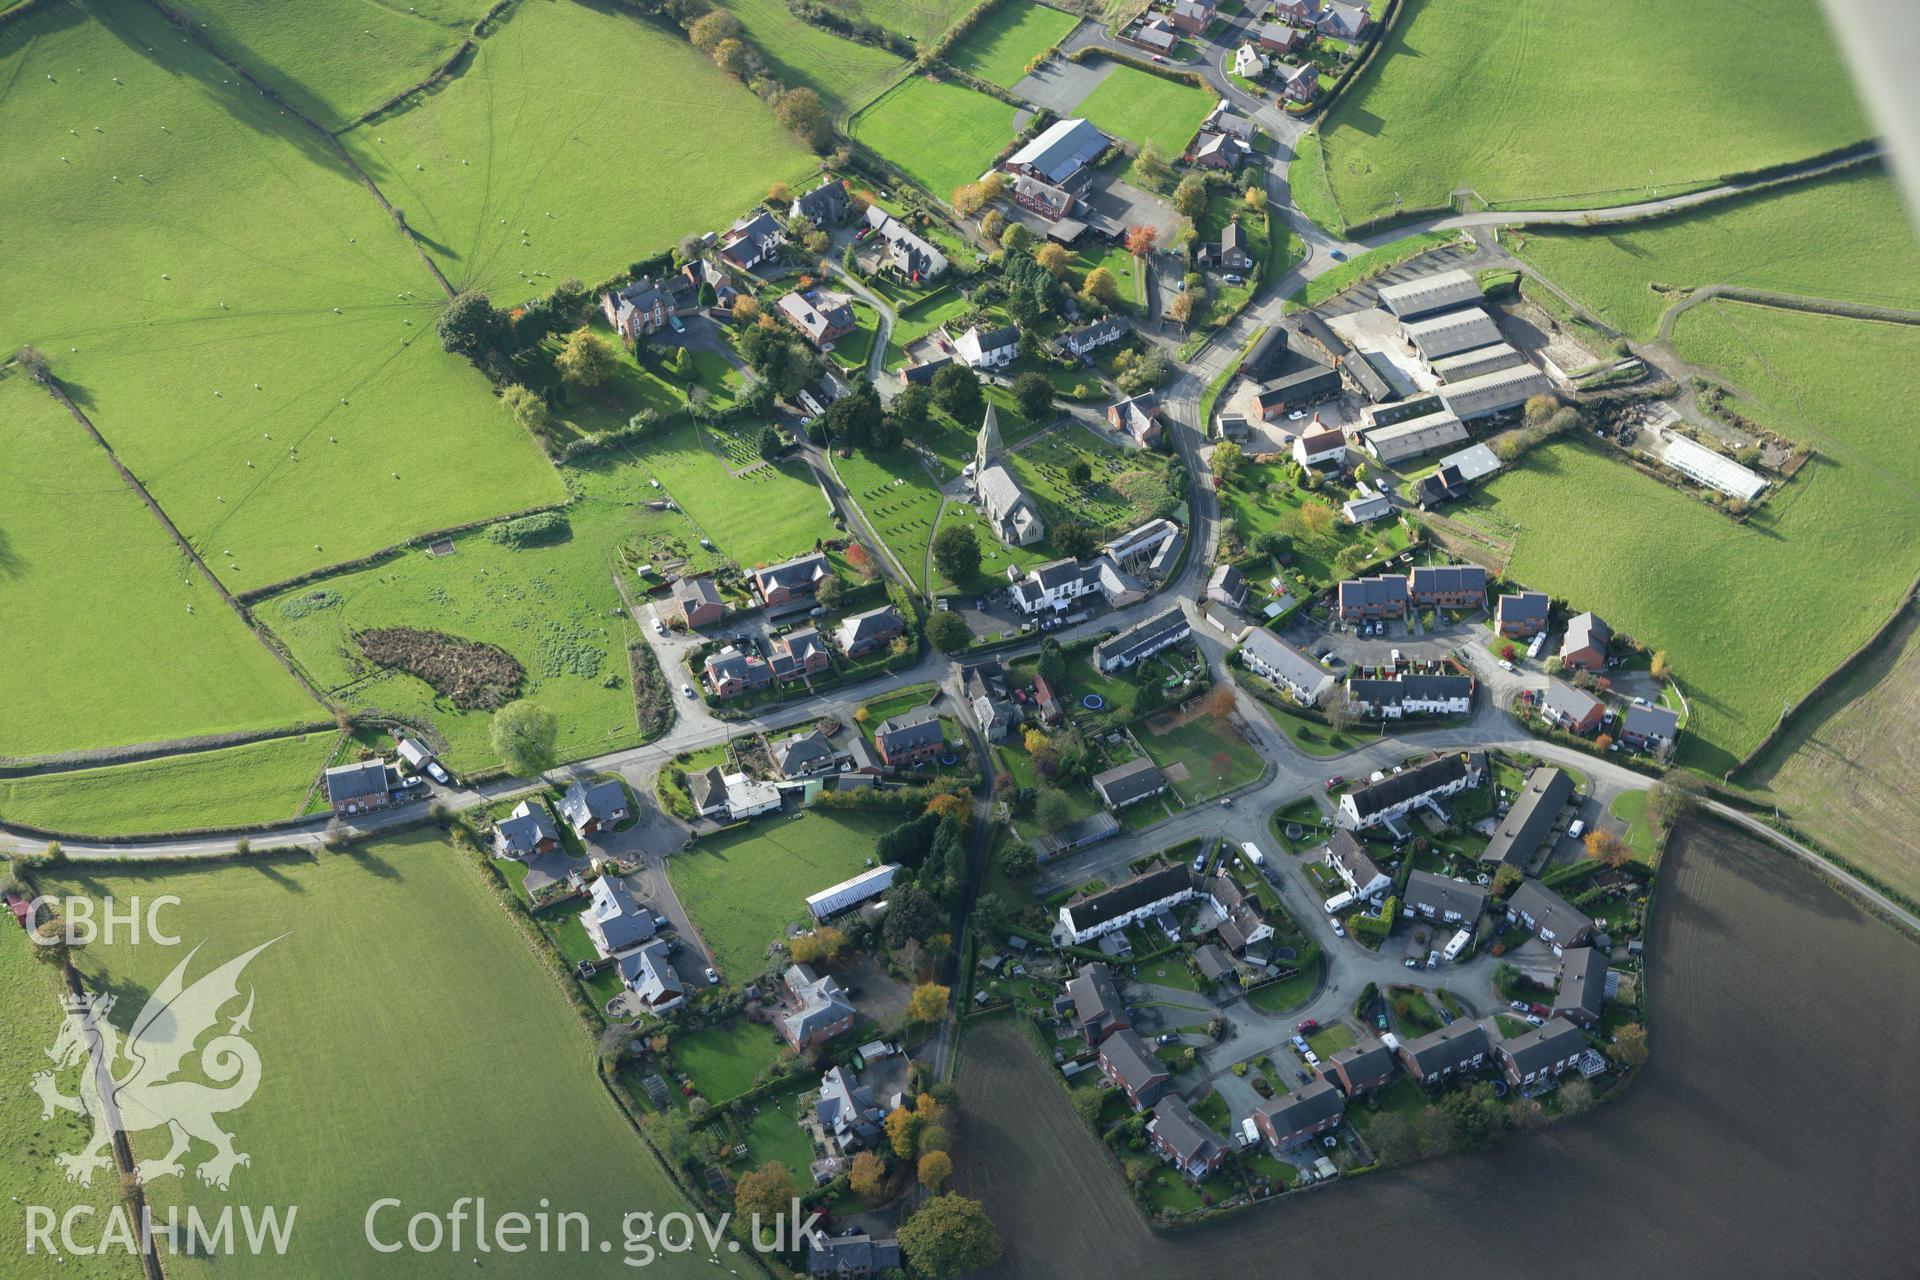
909 729
1425 888
858 1254
1447 579
1350 852
1540 1047
1410 688
1652 722
1382 589
585 802
615 915
1448 1046
351 781
803 753
1584 630
525 828
823 206
1367 1061
1545 907
1096 1001
1565 700
1142 636
1544 794
1132 1061
1414 781
1523 606
1310 1105
1286 661
1111 904
858 627
1583 981
1176 1125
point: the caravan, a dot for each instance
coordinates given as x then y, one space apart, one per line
1339 902
1457 945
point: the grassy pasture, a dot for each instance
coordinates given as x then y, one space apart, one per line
235 786
764 516
30 995
1755 614
112 637
336 59
1142 107
1307 182
1844 237
918 20
941 134
1584 101
553 607
604 137
799 53
400 997
1215 756
744 887
233 255
1010 37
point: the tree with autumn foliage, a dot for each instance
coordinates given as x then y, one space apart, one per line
868 1176
952 804
824 943
903 1132
928 1003
1608 847
935 1168
1052 258
1141 239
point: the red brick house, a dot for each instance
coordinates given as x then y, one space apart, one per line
1522 615
698 601
1278 37
798 653
1584 648
792 583
1294 1118
1126 1060
1361 1068
732 672
910 739
1192 16
1368 599
1448 586
1183 1140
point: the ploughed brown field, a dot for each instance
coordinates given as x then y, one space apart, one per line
1773 1134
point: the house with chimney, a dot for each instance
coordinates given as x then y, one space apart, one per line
862 633
1098 1011
1347 857
1126 1060
792 584
1448 586
910 738
1459 1049
1549 917
1581 993
752 240
1137 418
1286 667
827 205
1372 599
1183 1140
1437 898
1362 1068
1575 710
698 602
1373 803
822 319
1301 1116
1541 1054
1146 895
818 1008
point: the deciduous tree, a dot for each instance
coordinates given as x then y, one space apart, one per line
956 389
948 632
470 327
949 1236
1141 239
1190 197
1100 288
1630 1044
868 1176
928 1003
528 409
766 1193
586 359
956 552
805 116
1053 258
1225 461
717 25
1033 393
523 734
935 1168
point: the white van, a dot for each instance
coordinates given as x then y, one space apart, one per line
1339 902
1577 829
1253 853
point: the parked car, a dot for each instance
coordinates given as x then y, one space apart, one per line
1536 1020
661 922
687 689
1337 780
1296 415
438 774
659 627
1304 1077
1300 1043
1539 1010
712 976
1337 255
1339 930
1307 1027
674 321
1232 278
1168 1038
1519 1006
1505 665
1199 862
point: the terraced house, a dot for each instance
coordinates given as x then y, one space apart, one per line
1531 819
1126 1060
1459 1049
1372 599
1541 1054
1140 898
1267 655
1435 897
1413 695
1398 793
1292 1119
1448 586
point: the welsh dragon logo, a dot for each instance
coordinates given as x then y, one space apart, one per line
135 1083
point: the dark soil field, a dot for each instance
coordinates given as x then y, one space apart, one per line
1740 1152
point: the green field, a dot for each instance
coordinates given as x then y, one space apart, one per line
236 312
799 53
553 607
1141 107
235 786
1572 102
1006 40
1756 614
337 59
769 514
1307 183
723 1060
1844 237
1128 487
398 1001
113 638
1212 752
30 995
745 886
558 130
917 20
900 502
941 134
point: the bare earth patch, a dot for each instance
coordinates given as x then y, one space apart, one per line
469 674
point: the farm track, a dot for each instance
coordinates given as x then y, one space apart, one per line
1785 302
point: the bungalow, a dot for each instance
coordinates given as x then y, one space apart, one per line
1366 508
1278 37
1059 152
1098 1011
526 831
1581 995
1091 337
1137 418
1526 826
1145 895
910 738
1575 710
1522 614
697 599
1192 16
805 755
751 241
1361 1068
1435 897
707 790
1129 783
1302 1116
1221 151
1455 1049
590 807
851 1255
1373 803
1548 916
827 205
1344 21
1415 695
1540 1054
1649 728
1126 1060
1249 63
614 920
1584 647
904 251
1141 641
799 653
1347 857
644 307
979 348
847 1110
821 324
1227 586
648 974
1179 1136
1266 654
731 672
1215 966
1319 445
1224 119
1448 586
357 788
862 633
1299 82
793 583
817 1008
1368 599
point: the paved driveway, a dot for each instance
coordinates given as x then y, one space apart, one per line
1060 86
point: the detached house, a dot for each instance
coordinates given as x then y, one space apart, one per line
1129 783
613 919
1320 445
751 241
1541 1054
1549 917
731 672
980 348
1137 418
822 322
1192 16
592 807
1584 647
1299 82
862 633
1249 63
1574 710
1459 1049
643 307
1361 1068
827 205
910 738
847 1110
698 601
1278 37
807 754
1186 1143
851 1255
1307 11
1098 1011
1521 615
799 653
1652 729
791 585
1126 1060
1344 21
1302 1116
1220 151
357 788
1347 857
648 973
818 1008
525 832
904 251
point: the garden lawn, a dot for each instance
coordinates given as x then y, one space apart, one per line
529 138
1262 498
941 134
1844 237
1006 40
232 787
553 607
774 1133
1217 759
112 638
1569 102
337 59
1142 107
236 313
798 53
744 887
30 995
434 1027
723 1060
1631 808
900 502
1750 615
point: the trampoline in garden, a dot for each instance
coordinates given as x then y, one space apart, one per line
1093 702
1295 831
949 758
1285 953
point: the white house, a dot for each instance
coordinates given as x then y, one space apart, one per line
1138 899
1268 655
987 348
1249 63
1398 793
749 797
1347 857
1053 587
1417 695
1318 444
